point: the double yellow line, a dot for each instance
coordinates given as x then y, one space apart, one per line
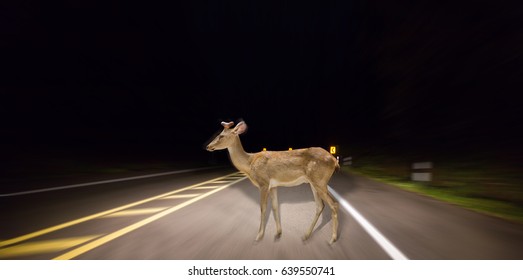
106 238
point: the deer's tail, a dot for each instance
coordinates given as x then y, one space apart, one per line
337 163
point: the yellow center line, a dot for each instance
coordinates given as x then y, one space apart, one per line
134 212
45 246
206 187
181 196
103 213
98 242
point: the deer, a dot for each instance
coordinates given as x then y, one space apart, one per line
268 170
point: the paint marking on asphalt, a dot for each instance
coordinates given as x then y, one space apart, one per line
384 243
105 182
107 238
135 212
178 196
103 213
206 187
46 246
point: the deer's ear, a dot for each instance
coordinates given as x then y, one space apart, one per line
240 128
227 125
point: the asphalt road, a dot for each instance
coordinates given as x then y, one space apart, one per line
214 214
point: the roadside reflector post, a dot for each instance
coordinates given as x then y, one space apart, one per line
347 161
422 171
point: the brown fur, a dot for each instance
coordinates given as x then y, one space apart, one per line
270 169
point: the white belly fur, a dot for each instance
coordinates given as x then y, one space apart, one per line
291 183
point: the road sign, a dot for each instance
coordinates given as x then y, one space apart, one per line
422 171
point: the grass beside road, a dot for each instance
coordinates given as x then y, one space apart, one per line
480 185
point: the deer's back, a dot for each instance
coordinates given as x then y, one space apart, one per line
289 168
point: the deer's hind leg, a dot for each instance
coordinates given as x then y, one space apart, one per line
333 204
319 209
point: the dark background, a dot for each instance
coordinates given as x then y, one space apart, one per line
113 79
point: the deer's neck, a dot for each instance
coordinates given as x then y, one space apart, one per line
239 157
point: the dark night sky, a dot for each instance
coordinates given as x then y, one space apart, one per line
142 77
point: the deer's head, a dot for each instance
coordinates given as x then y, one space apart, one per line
227 136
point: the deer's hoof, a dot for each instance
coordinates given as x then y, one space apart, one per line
305 237
277 236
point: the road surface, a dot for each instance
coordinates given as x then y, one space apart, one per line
213 213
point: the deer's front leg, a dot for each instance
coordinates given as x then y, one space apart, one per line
264 194
275 210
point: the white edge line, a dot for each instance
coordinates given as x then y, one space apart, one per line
106 181
385 244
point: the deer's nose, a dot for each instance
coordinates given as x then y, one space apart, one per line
209 148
